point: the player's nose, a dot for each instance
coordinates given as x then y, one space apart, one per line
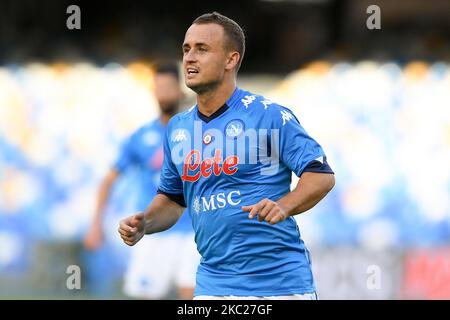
189 57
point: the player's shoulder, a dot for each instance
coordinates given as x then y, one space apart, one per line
146 127
257 104
181 118
183 115
138 132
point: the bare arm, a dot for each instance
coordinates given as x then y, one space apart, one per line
160 215
94 237
311 188
104 192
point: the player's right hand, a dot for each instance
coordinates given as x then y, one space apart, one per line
132 229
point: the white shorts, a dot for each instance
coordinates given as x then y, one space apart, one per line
305 296
159 262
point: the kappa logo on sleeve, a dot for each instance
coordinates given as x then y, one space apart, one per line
286 116
248 100
266 103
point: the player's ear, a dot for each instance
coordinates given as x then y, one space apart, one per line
232 60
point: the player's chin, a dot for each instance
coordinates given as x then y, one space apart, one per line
195 85
192 83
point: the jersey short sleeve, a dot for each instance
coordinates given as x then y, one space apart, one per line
297 149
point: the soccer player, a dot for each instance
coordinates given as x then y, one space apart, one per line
229 160
154 264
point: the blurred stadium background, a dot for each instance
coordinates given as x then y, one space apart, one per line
377 100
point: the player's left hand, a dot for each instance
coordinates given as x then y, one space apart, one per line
267 210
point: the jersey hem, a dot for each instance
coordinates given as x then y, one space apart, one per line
256 293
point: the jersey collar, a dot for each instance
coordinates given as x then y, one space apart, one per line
234 96
217 113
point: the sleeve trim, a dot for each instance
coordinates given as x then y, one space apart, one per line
318 166
175 197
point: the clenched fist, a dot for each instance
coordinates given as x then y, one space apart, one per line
132 229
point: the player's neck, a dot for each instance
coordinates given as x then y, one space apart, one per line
165 117
210 101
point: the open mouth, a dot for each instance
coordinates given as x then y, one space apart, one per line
191 71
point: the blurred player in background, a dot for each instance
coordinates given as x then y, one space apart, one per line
170 258
225 189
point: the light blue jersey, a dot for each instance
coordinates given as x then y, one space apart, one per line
241 154
144 150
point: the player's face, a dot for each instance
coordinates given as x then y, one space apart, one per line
167 92
204 56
